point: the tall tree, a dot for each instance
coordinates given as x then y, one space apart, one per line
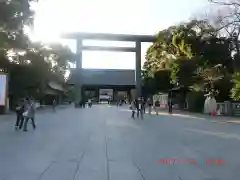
227 22
228 16
197 57
14 16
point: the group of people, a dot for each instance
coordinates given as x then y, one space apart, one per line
138 107
25 111
121 102
83 103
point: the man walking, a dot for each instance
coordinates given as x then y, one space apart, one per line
140 108
170 104
150 104
30 113
54 104
143 105
89 103
19 112
157 106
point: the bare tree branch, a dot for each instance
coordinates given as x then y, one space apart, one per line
225 3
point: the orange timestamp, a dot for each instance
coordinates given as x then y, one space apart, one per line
215 162
191 161
175 161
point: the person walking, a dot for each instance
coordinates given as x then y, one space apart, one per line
89 103
143 105
149 103
170 104
133 108
19 112
54 104
157 106
140 108
83 102
29 113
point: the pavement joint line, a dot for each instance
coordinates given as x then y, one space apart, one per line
48 167
53 162
140 171
106 151
78 165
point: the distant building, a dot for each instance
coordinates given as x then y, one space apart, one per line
53 91
111 82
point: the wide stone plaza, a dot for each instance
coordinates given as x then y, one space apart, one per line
103 143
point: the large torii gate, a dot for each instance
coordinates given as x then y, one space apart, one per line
79 37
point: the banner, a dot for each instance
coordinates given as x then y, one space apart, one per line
3 89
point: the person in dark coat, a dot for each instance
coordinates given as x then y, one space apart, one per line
19 112
143 105
140 107
170 104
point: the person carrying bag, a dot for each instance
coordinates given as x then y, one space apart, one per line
30 114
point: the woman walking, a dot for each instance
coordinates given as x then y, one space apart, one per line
29 114
133 108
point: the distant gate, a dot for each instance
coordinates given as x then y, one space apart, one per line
79 37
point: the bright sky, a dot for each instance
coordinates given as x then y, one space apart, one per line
54 17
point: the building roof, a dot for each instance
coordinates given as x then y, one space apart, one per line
102 77
55 86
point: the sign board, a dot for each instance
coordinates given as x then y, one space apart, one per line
3 89
105 93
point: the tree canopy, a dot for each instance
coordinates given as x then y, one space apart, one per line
196 56
30 65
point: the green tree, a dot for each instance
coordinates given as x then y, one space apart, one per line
227 23
194 54
14 16
30 65
31 71
235 91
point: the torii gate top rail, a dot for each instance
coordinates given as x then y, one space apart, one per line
111 37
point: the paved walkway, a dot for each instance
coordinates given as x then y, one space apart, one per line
102 143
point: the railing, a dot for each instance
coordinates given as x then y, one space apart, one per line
221 108
236 108
228 108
